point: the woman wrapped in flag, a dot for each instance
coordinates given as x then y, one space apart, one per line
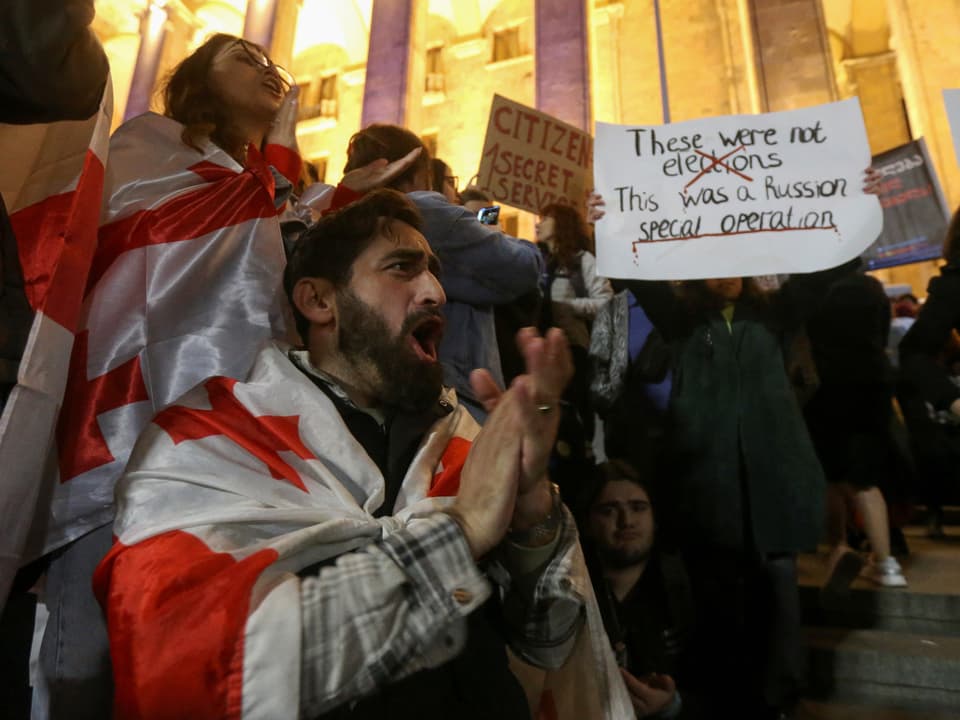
184 283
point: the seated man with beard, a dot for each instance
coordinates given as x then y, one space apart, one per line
334 537
643 590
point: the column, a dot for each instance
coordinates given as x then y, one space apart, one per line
153 32
259 21
562 64
286 14
875 80
794 68
121 50
395 63
921 34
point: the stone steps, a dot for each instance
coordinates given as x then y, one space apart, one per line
887 653
893 610
813 710
905 669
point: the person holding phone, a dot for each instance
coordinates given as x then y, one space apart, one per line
510 317
489 215
481 203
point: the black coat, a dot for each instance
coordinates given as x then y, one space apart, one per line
741 470
927 337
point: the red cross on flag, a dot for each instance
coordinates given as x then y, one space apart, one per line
51 181
184 285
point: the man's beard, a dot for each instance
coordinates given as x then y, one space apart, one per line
405 381
620 558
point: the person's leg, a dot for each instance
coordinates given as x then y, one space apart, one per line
777 632
883 568
872 507
74 654
936 470
717 648
843 564
837 516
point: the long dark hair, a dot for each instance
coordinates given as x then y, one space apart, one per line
570 234
699 300
189 99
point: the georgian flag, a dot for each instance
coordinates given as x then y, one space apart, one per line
228 494
185 283
52 183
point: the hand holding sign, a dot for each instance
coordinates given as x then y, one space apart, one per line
734 196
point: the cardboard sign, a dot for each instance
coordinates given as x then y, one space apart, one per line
735 196
951 101
915 214
531 159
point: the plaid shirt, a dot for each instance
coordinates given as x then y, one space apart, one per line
296 599
400 605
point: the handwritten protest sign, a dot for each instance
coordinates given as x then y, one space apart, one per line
951 101
531 159
915 214
736 195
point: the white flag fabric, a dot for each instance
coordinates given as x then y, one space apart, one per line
228 495
185 283
52 182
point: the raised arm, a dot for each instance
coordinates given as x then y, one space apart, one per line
535 564
481 266
52 67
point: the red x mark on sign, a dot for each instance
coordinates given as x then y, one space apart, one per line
721 163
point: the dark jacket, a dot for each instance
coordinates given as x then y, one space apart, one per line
927 337
478 683
848 333
849 416
745 473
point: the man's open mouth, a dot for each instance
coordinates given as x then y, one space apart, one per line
425 337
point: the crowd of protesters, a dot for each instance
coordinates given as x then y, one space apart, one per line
398 290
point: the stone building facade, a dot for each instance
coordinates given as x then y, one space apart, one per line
434 65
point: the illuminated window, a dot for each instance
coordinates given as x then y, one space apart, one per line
318 98
328 96
506 43
434 76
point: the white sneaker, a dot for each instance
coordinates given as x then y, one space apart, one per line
886 573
